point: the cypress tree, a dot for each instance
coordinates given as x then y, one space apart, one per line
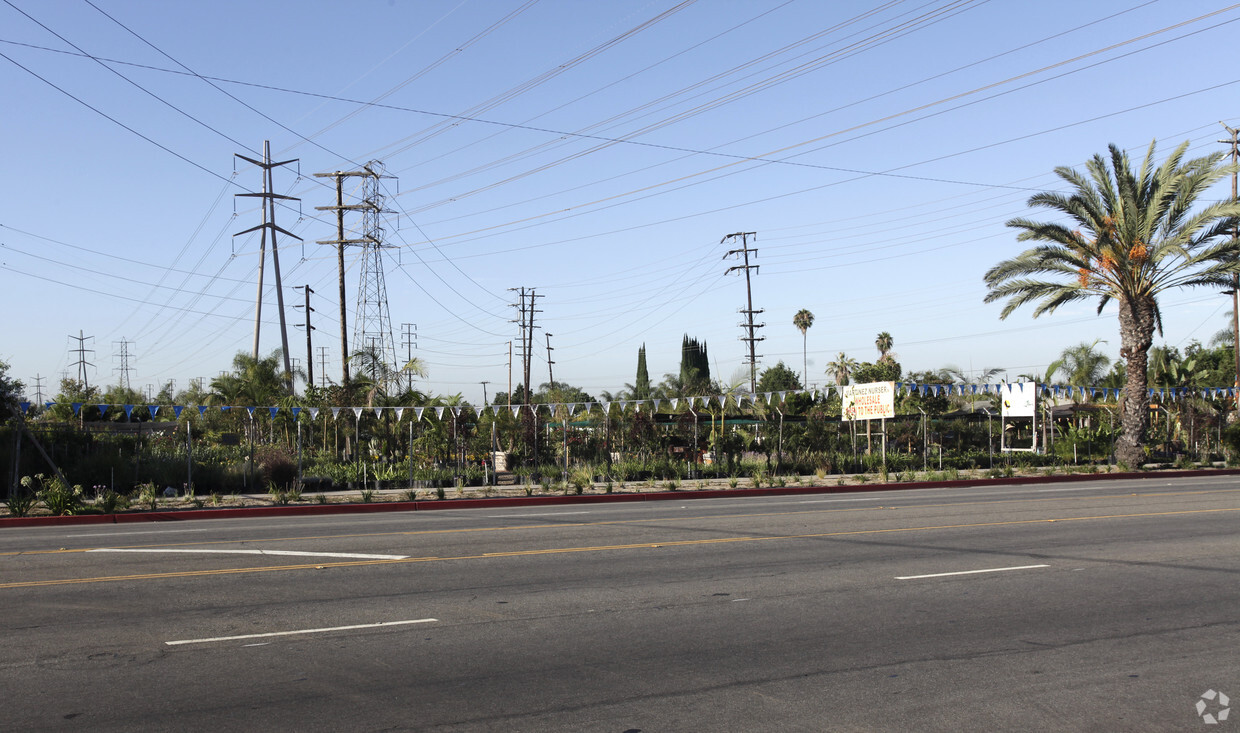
641 385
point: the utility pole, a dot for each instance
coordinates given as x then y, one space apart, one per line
525 322
1234 142
38 389
323 363
309 330
484 392
409 339
370 241
81 363
550 374
123 355
269 196
749 326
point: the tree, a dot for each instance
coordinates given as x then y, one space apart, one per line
10 392
1136 236
803 320
778 378
641 386
1082 365
252 382
694 367
842 368
883 343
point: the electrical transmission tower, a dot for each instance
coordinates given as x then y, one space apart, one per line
38 389
269 225
749 326
81 362
123 355
525 323
373 320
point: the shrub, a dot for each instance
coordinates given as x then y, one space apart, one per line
21 503
60 498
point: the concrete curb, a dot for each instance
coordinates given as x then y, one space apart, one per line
518 501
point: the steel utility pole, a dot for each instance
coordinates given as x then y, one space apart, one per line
269 197
1234 142
550 374
309 329
749 326
409 339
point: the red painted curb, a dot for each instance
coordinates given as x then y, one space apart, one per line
516 501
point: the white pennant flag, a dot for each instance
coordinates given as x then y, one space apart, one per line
357 412
675 402
606 408
399 411
656 405
378 411
456 411
638 405
417 412
624 405
516 410
335 412
439 412
573 408
314 412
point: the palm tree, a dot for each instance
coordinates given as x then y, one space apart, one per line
883 343
1136 237
803 320
842 367
1083 365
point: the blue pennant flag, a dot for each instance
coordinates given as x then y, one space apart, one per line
225 408
128 411
153 409
48 405
273 410
103 409
202 410
25 407
251 411
77 408
296 411
176 410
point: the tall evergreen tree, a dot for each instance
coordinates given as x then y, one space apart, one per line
641 385
694 366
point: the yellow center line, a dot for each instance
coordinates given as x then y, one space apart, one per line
596 548
623 522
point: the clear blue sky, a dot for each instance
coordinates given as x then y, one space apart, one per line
596 151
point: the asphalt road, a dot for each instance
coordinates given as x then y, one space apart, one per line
1103 606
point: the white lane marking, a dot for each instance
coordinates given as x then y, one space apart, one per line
294 553
529 514
302 631
970 572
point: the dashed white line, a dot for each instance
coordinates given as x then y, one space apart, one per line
529 514
294 553
301 631
970 572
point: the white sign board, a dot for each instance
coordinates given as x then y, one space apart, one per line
1018 399
871 401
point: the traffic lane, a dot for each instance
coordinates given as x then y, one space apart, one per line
499 587
674 525
77 537
687 659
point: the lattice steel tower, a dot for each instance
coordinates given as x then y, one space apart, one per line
372 323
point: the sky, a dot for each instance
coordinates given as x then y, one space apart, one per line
595 153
